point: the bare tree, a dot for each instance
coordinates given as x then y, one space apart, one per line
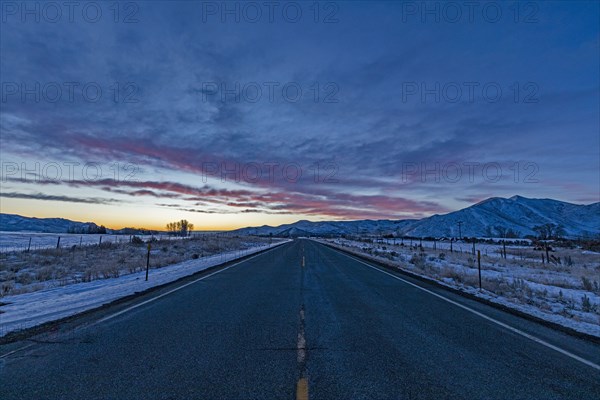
180 228
549 231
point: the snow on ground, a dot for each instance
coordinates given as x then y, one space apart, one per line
18 241
30 309
513 246
549 292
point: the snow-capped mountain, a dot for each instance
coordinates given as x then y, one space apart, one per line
18 223
494 217
304 228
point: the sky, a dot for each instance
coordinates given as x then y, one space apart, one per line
233 114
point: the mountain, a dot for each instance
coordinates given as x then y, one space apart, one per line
18 223
306 228
494 217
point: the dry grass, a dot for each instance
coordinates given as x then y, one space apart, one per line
28 271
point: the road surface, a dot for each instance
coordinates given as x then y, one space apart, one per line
300 321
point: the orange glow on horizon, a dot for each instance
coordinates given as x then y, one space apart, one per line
136 216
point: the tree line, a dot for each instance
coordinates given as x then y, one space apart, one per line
180 228
87 228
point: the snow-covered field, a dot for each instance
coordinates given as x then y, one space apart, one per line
566 292
19 241
54 302
22 272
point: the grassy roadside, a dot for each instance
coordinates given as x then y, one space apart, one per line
24 272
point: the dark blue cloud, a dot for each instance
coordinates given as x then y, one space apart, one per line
355 110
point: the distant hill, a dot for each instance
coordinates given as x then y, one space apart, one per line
18 223
304 228
494 217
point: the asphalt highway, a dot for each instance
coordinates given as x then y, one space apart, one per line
296 322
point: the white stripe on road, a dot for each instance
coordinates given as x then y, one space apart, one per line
19 349
502 324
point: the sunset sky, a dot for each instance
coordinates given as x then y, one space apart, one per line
157 111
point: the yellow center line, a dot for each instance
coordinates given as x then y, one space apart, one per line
302 389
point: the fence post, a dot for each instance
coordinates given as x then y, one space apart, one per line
29 246
479 267
148 261
58 243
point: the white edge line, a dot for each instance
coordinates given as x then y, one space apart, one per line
502 324
109 317
14 351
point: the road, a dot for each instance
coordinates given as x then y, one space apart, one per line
301 321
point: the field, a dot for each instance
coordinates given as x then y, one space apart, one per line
26 271
19 241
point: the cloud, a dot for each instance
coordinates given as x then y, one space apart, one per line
321 202
46 197
176 127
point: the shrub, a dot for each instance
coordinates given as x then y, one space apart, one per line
136 240
418 261
110 272
587 284
6 287
24 278
452 274
586 304
195 256
44 274
569 261
89 275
